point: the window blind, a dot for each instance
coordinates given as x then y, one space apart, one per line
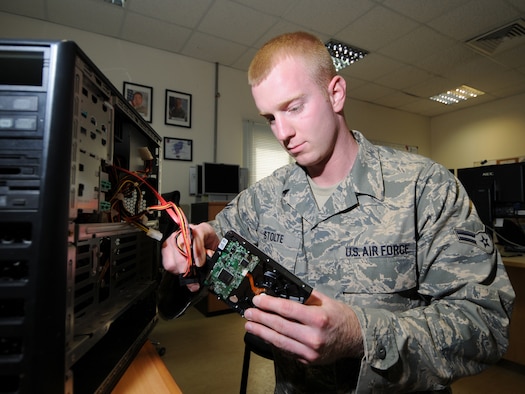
262 152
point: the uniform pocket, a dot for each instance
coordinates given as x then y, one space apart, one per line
378 275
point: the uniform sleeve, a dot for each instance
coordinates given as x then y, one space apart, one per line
239 215
463 326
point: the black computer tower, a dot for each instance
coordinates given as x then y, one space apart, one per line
77 283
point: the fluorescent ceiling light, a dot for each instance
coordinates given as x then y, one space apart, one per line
343 54
457 95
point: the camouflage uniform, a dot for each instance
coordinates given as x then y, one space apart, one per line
400 243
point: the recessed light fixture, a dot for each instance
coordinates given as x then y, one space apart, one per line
457 95
343 54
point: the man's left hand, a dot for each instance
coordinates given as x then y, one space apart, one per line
318 332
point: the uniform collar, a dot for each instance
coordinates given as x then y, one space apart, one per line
365 177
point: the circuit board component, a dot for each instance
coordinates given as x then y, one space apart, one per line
240 271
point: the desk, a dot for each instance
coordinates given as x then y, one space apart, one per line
147 374
515 267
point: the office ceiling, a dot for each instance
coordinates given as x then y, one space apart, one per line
418 48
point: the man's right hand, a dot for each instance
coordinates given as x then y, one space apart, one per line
204 242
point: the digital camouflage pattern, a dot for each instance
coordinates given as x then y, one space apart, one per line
401 244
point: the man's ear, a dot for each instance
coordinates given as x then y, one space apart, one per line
337 93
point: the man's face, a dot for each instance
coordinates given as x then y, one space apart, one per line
299 112
137 100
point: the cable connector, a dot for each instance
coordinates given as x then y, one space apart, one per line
155 234
145 154
197 274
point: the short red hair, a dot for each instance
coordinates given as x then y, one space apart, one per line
293 45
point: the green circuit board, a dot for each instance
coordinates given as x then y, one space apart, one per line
231 267
239 271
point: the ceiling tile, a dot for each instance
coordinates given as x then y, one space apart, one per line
419 43
83 15
369 92
154 33
235 22
244 60
31 8
404 77
519 4
213 49
395 100
371 67
508 91
431 87
370 31
423 11
425 107
271 7
473 18
327 17
476 70
353 83
442 61
186 13
499 81
279 28
512 58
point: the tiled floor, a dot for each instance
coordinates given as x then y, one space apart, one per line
204 355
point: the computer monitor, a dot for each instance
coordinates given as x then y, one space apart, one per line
220 178
479 184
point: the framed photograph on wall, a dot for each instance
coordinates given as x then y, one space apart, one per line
178 149
140 97
178 108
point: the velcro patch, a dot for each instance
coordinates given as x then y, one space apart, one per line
480 239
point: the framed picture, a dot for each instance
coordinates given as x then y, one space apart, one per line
178 108
178 149
140 97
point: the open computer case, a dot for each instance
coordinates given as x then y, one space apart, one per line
78 279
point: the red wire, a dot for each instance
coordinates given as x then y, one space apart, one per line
176 214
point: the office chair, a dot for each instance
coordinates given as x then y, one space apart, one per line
253 343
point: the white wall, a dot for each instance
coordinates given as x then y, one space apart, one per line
486 132
383 124
124 61
235 104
